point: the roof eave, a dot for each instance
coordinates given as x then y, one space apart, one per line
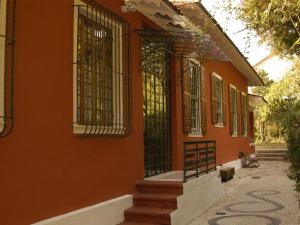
237 58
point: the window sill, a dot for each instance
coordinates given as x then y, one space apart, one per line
98 130
219 125
234 135
195 135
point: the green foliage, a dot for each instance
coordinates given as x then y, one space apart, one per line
263 90
293 139
279 115
277 22
273 118
269 116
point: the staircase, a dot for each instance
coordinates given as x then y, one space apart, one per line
271 152
153 203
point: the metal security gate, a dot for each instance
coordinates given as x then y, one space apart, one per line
157 126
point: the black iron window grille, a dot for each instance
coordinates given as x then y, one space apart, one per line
195 72
101 72
7 47
233 110
199 158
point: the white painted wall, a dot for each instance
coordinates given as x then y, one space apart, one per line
106 213
199 194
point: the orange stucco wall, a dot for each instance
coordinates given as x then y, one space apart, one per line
44 169
228 147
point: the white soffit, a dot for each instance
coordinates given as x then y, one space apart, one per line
200 17
161 13
169 18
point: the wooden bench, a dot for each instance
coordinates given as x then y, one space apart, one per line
226 173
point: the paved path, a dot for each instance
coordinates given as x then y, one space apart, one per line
261 196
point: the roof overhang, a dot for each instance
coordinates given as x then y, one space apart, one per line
162 12
192 19
201 17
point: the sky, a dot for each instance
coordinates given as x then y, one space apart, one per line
255 52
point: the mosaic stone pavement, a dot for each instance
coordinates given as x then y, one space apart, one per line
257 196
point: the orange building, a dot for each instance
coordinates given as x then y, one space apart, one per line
94 99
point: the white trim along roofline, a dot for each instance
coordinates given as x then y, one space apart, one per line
189 15
196 12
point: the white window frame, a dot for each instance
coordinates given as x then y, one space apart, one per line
3 10
117 81
220 124
235 129
194 131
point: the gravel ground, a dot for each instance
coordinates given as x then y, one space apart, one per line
257 196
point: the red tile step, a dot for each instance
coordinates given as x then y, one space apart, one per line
160 187
148 215
165 201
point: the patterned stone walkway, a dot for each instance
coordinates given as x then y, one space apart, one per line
260 196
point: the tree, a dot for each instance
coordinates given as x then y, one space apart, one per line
277 22
273 119
263 90
282 96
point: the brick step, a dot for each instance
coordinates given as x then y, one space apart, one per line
283 151
160 187
165 201
136 223
271 146
148 215
270 158
270 154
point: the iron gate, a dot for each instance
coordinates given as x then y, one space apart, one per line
157 127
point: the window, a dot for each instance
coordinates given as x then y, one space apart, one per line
2 59
233 110
217 101
101 71
244 113
194 98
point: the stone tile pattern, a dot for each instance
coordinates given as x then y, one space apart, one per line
252 213
257 196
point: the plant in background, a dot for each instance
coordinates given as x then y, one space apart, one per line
277 22
293 139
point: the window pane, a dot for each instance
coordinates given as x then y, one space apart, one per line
219 94
195 97
103 70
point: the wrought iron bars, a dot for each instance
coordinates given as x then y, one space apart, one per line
103 74
199 158
157 127
7 115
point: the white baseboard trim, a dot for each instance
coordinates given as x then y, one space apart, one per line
106 213
199 194
237 164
